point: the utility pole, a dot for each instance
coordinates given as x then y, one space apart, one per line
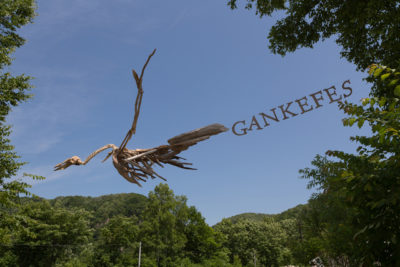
140 252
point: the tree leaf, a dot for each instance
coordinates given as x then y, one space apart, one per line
393 82
385 76
377 72
382 102
360 123
368 187
397 90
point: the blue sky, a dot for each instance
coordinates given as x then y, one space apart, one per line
211 65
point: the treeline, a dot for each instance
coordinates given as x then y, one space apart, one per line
108 230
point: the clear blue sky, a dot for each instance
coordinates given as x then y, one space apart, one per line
212 65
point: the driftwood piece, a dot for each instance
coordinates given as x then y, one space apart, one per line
207 131
137 165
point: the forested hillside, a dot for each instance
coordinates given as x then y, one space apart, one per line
107 231
104 207
292 213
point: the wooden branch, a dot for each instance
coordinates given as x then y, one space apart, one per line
198 133
141 155
138 103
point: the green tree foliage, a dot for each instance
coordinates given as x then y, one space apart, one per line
359 198
105 207
292 213
258 243
367 30
260 217
13 90
373 173
48 234
171 230
290 222
62 232
202 242
327 222
162 227
118 242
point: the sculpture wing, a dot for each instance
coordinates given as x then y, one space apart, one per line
198 135
139 164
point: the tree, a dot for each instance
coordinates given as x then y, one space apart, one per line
256 243
367 31
363 187
373 173
202 242
118 242
105 207
172 231
162 232
13 91
50 234
328 227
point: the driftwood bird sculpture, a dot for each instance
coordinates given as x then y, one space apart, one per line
137 164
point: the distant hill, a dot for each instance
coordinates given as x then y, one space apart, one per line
105 207
259 217
291 213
